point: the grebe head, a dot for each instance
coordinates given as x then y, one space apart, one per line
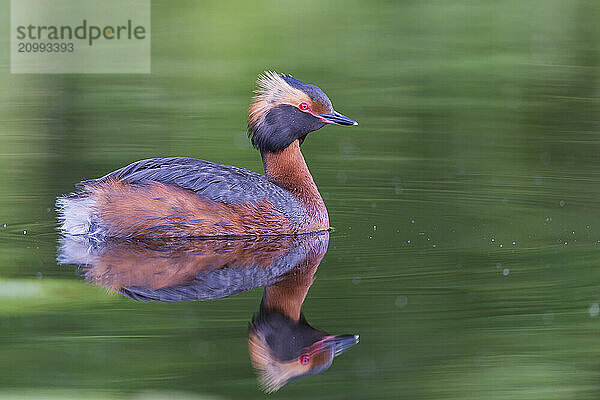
282 349
286 109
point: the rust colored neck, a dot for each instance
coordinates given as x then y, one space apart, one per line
286 297
289 170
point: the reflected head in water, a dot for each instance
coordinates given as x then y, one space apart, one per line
281 343
283 349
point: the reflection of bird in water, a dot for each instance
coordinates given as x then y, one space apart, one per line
180 270
282 345
186 197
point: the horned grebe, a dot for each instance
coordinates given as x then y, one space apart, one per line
186 197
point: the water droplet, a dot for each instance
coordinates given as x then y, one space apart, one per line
566 243
4 225
24 232
434 246
412 221
401 301
505 271
594 310
493 240
408 241
500 246
514 243
562 203
545 158
374 227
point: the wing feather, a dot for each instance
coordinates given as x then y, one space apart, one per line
222 183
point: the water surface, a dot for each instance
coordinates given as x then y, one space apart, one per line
465 204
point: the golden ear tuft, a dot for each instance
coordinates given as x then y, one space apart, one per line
269 81
272 90
272 374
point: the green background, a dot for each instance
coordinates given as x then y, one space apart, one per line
476 158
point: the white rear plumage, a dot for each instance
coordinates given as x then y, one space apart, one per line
76 215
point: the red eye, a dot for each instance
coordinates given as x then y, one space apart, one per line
303 106
304 359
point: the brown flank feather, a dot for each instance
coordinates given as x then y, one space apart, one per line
156 265
154 209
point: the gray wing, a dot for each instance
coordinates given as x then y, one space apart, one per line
216 284
223 183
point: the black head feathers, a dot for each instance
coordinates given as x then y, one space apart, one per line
284 110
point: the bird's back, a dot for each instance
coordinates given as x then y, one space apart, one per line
182 196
